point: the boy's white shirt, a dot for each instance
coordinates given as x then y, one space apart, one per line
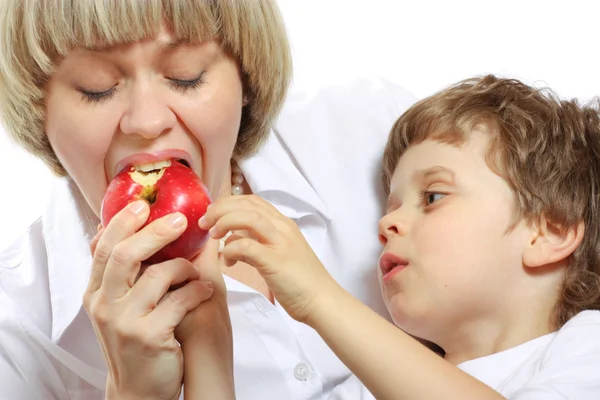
320 167
563 365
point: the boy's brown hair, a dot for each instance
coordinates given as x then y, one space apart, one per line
547 149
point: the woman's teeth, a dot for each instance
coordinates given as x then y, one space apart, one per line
153 166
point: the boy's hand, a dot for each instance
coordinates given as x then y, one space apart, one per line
273 244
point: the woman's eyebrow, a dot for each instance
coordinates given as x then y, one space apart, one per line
165 45
171 45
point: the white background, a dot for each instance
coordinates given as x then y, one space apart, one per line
421 45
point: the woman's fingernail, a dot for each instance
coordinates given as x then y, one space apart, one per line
202 221
99 227
208 285
137 206
177 220
212 231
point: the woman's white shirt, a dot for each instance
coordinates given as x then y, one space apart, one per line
320 167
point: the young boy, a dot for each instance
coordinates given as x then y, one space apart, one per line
490 251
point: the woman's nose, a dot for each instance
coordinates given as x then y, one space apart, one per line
391 225
148 114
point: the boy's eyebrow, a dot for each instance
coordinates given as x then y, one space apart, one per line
424 174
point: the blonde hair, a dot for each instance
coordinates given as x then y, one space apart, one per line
548 151
36 34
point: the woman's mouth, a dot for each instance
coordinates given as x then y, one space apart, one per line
158 165
147 162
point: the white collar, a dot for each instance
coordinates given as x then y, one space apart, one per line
271 173
69 224
68 227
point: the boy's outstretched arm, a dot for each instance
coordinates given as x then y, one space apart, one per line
390 363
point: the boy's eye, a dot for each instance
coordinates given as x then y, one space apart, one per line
429 198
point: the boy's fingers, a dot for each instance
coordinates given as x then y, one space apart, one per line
236 203
251 221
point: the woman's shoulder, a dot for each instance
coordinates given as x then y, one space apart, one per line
14 253
339 131
29 246
348 91
24 279
349 109
24 261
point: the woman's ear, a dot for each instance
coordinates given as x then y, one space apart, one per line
551 243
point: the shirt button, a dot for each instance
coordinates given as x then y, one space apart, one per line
302 371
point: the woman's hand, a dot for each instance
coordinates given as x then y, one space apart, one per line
206 337
273 244
133 313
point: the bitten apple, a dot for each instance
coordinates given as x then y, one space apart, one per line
167 186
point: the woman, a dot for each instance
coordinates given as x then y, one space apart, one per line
91 86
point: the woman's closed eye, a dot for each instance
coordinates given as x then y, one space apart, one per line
96 96
186 84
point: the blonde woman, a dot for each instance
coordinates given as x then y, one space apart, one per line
90 86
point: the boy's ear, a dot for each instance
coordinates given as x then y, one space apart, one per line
551 243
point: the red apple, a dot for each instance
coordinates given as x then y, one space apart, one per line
168 188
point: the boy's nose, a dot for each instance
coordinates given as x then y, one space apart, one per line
148 114
391 225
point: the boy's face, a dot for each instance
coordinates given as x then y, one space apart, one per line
154 99
446 229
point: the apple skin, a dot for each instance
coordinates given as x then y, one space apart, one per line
178 190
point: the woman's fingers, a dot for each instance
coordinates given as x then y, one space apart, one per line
95 239
156 280
126 257
250 252
176 304
124 224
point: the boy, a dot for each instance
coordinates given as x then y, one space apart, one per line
490 251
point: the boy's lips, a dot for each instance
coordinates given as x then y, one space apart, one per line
390 264
148 158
